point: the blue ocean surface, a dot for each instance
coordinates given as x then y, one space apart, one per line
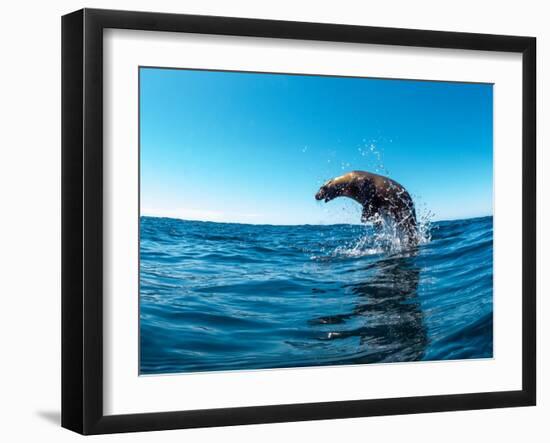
223 296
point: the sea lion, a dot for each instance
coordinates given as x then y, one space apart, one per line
380 197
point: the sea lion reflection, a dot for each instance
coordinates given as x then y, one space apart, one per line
387 319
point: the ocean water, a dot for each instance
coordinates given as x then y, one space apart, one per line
223 296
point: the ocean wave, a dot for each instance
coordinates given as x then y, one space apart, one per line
222 296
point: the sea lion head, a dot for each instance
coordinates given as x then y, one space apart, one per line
329 191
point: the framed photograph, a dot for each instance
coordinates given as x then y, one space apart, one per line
268 221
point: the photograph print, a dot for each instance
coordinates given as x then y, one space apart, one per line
293 220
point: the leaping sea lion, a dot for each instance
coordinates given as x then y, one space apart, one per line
380 197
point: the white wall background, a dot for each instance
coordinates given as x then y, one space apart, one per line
30 219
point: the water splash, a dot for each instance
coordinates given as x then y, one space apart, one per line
366 244
371 151
382 235
424 220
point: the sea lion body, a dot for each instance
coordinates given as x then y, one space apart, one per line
380 197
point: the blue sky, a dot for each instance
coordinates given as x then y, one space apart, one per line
254 148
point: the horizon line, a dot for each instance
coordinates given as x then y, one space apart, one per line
296 224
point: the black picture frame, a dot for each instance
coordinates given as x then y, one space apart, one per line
82 216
